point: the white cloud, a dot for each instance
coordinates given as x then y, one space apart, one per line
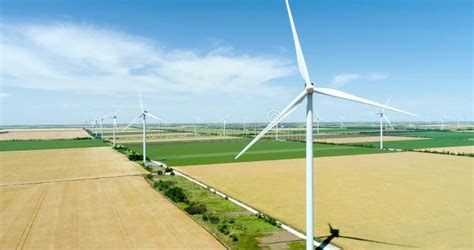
343 79
378 76
83 58
3 94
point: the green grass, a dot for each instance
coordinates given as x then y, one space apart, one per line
210 152
419 144
434 134
49 144
246 227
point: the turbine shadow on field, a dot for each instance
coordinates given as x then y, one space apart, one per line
335 233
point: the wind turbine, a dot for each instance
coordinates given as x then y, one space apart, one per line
307 94
114 129
195 120
224 119
101 127
341 125
143 115
443 117
317 122
382 116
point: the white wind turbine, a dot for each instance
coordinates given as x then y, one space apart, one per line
382 116
318 118
224 120
307 94
195 120
443 118
114 128
143 115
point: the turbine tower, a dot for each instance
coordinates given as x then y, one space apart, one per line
383 117
307 94
318 118
195 120
114 128
143 115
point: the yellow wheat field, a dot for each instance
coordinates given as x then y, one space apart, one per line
456 150
112 213
42 134
379 201
32 166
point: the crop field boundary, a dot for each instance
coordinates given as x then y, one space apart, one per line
68 180
249 208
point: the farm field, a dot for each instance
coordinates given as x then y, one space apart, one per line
367 139
455 150
49 144
209 152
42 134
20 167
377 201
423 143
122 212
434 134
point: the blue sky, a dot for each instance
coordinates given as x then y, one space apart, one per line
63 60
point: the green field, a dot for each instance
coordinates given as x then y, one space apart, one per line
434 134
436 139
194 153
419 144
49 144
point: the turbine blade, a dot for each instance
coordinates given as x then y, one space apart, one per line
346 96
388 101
388 121
116 112
132 122
299 52
141 102
154 116
283 114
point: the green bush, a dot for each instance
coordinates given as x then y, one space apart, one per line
163 185
172 173
224 228
135 157
234 237
195 208
149 176
176 194
159 172
168 169
211 218
268 219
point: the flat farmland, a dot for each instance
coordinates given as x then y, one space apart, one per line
19 167
367 139
377 201
121 212
42 134
209 152
422 143
455 150
49 144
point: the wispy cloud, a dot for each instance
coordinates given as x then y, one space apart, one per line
343 79
86 58
3 94
378 76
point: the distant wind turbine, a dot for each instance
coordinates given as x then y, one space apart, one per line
143 115
307 94
383 117
318 118
114 128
